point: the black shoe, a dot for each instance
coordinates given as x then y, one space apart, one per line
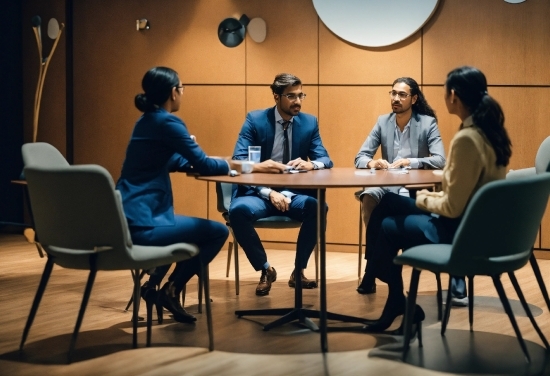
366 290
149 293
367 286
391 311
416 328
169 300
306 283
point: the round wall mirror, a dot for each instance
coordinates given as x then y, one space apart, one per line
374 23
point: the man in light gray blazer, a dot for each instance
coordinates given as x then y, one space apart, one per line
409 138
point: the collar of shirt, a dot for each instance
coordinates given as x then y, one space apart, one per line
279 119
468 122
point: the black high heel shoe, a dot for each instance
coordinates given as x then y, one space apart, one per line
416 328
168 299
150 294
389 314
367 286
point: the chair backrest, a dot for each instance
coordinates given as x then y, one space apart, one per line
223 195
77 209
542 160
41 154
500 224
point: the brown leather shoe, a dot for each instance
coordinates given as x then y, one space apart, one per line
306 283
266 280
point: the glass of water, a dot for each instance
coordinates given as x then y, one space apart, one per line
254 153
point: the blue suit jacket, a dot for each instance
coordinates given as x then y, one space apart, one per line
259 130
160 144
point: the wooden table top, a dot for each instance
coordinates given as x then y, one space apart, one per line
338 177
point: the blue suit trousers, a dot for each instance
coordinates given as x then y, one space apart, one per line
209 236
245 210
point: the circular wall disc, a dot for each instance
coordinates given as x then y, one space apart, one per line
257 29
375 23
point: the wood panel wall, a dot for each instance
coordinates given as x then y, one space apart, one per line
346 85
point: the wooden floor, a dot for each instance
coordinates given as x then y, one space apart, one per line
241 346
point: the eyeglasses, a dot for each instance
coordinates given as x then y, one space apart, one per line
180 87
400 94
293 97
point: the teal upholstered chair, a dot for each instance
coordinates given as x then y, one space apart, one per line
495 236
542 165
223 194
81 225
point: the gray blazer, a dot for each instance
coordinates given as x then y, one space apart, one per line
426 143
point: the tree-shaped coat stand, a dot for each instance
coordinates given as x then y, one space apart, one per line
54 32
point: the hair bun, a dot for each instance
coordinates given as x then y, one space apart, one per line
142 103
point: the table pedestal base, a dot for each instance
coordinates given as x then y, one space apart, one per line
303 315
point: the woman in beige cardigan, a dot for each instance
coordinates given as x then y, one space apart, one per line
479 153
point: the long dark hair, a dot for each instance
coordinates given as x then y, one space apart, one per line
470 85
421 106
157 85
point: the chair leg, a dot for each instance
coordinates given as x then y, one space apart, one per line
409 313
84 304
447 309
527 309
471 302
510 313
439 297
205 282
233 246
37 298
316 250
360 241
136 277
236 252
200 291
141 275
229 252
538 275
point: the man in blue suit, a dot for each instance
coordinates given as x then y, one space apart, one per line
288 136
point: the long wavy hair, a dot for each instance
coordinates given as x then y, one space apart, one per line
421 106
470 85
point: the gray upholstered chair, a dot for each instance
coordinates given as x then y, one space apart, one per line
495 236
223 194
542 162
81 225
43 155
542 165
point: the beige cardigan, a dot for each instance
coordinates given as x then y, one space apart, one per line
471 164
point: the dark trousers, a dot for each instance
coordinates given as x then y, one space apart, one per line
245 210
397 223
208 235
